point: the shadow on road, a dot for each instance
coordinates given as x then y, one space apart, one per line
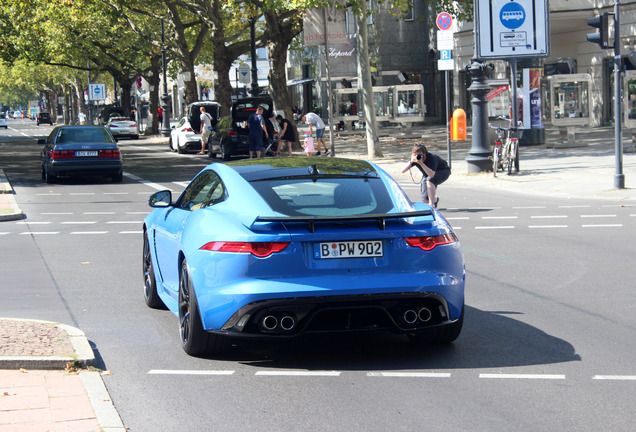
488 340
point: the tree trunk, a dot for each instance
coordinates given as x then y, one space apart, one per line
222 63
279 38
364 75
154 79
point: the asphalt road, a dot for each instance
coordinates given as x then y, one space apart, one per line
548 340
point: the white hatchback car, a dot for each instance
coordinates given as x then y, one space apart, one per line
185 135
122 127
3 121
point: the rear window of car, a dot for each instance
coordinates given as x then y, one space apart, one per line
73 135
326 196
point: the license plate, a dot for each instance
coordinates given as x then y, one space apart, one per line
85 153
348 249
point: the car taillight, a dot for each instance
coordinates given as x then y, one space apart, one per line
231 133
114 153
429 242
258 249
133 125
62 154
113 125
188 130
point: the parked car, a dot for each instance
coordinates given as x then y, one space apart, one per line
44 117
185 136
109 111
230 138
17 114
80 150
122 127
277 248
3 121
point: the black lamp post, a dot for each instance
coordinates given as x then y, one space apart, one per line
479 153
165 99
255 89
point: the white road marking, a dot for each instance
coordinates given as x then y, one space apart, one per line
40 233
521 376
4 233
602 226
189 372
615 377
146 182
298 373
495 227
182 184
82 193
410 374
89 232
598 216
547 226
32 223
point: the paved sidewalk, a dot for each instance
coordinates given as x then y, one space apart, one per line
46 383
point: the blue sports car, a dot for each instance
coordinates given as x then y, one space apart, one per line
282 247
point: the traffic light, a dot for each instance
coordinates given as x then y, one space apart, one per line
601 37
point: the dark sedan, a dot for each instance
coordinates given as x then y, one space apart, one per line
44 117
80 150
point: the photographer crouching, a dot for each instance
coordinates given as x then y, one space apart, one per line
435 171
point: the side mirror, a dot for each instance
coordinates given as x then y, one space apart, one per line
160 199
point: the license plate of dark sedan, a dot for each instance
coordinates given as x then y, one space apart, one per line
85 153
348 249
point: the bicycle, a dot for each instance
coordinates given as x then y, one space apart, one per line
505 153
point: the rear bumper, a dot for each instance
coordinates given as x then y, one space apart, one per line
289 318
87 168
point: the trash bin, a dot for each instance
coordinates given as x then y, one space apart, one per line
458 125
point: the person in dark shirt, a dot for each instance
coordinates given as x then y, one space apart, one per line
256 124
288 136
435 171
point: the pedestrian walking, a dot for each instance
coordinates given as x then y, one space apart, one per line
287 134
308 144
313 120
435 171
206 129
160 115
256 125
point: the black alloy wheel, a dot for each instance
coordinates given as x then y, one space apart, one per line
194 340
150 284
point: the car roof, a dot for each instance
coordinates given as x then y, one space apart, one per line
258 169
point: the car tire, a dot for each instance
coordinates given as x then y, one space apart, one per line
180 149
150 283
226 151
194 340
48 177
170 144
440 335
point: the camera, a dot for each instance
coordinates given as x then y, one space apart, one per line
419 156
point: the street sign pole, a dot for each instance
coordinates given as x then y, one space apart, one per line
619 177
445 45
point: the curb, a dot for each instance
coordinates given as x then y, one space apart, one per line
7 198
83 352
107 416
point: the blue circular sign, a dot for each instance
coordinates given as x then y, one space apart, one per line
97 90
512 15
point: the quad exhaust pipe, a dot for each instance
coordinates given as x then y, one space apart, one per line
271 323
411 316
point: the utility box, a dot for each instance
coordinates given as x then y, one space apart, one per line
458 125
630 99
570 99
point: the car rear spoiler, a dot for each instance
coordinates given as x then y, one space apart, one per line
311 220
